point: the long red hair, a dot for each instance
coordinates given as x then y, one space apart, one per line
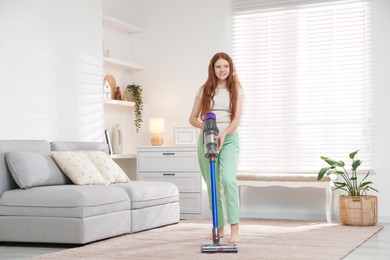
210 86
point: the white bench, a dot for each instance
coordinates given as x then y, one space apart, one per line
291 181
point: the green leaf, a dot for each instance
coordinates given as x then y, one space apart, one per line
356 164
372 188
334 163
330 161
340 163
352 155
322 172
365 176
341 188
340 184
365 183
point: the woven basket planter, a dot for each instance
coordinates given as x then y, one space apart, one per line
359 210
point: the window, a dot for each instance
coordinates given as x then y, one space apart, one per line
305 67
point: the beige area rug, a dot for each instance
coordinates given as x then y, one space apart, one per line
260 239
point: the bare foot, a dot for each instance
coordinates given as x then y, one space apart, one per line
235 237
221 231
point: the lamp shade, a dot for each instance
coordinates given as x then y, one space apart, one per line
156 125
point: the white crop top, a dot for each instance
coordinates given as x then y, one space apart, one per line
221 107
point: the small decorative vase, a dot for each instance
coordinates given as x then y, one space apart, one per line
117 139
359 210
128 95
107 90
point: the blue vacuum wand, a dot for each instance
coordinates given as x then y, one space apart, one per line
210 133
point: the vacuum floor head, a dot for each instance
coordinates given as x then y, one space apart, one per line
216 248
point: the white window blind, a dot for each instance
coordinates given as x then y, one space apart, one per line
305 67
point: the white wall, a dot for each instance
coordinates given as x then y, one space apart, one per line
51 78
50 70
381 75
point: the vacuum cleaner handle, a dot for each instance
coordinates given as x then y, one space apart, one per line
214 208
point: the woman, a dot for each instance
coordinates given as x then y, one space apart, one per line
222 95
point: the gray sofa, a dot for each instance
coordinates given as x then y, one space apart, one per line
63 212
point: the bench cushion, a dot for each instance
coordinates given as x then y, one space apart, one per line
247 176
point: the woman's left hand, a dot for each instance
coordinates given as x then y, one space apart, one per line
220 139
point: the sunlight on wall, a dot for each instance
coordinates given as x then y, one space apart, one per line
51 70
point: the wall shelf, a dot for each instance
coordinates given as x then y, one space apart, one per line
119 103
121 64
120 25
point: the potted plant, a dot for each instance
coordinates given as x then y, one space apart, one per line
136 93
356 208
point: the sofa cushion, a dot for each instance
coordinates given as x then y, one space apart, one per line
65 201
77 166
145 194
34 169
110 171
36 146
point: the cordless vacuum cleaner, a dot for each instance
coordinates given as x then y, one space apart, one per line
210 133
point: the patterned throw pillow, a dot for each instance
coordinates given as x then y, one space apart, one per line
107 167
78 168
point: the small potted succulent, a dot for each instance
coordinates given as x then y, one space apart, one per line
356 208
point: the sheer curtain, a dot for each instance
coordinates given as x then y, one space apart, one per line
305 67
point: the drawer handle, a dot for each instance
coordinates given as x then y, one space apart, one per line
168 174
168 153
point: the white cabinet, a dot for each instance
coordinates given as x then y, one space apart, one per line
178 165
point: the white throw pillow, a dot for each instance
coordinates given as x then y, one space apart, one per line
107 167
78 168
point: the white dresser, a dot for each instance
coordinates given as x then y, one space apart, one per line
176 164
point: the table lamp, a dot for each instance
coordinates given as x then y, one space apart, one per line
156 126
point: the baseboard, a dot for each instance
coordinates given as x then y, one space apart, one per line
384 219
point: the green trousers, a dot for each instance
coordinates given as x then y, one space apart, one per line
226 170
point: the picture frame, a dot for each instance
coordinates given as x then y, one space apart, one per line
185 135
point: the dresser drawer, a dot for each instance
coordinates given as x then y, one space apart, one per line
190 203
168 161
185 181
